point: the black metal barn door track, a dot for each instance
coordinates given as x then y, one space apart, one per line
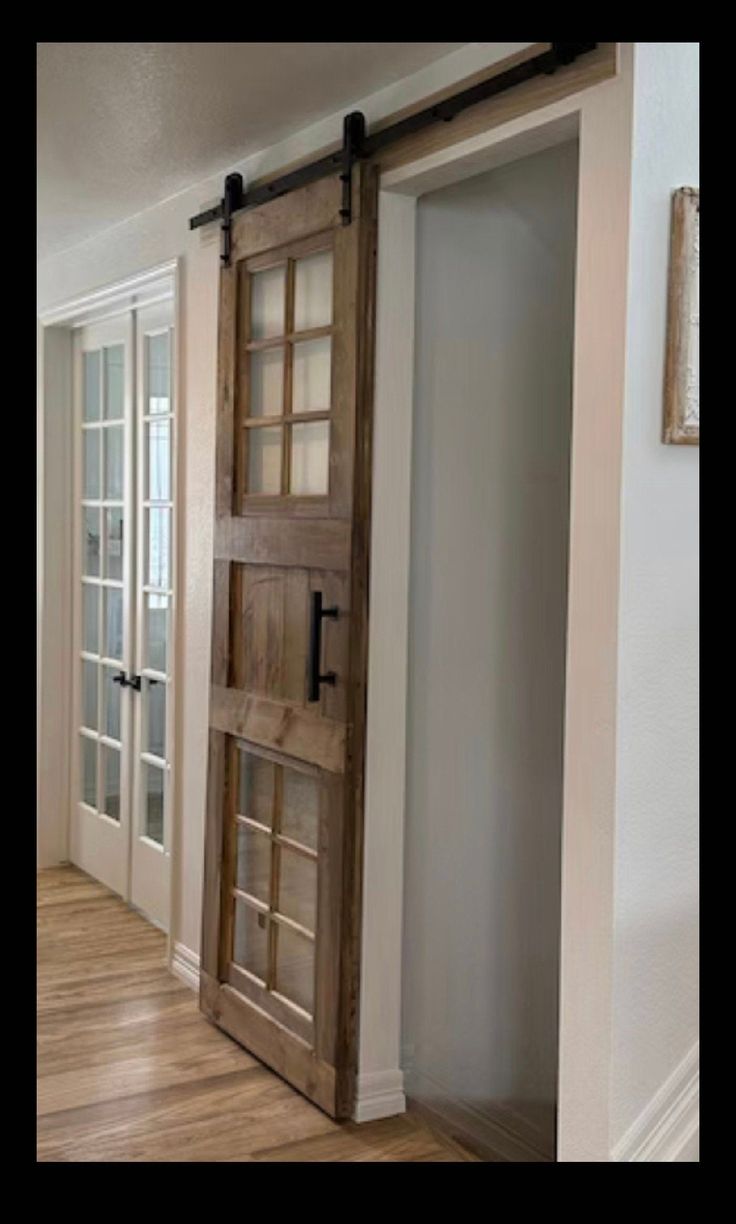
357 145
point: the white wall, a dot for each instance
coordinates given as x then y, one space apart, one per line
152 238
655 1018
493 390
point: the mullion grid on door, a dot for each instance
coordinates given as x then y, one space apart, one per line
269 911
108 416
256 421
155 498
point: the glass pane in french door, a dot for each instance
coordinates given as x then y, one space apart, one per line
102 634
155 566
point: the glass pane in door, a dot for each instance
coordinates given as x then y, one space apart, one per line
158 454
114 543
111 782
91 470
153 802
311 389
155 515
250 940
156 612
268 303
91 394
300 807
310 458
90 618
158 374
298 888
88 773
295 967
313 291
115 383
91 541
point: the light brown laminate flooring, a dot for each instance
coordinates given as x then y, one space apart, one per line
130 1070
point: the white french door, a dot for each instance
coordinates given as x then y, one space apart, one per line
123 617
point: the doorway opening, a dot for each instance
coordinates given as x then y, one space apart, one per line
495 278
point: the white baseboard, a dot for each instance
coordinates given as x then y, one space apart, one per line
380 1094
185 964
668 1129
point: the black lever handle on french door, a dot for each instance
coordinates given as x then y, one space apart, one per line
124 682
315 678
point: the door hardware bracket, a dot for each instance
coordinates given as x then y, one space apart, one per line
353 139
231 202
358 144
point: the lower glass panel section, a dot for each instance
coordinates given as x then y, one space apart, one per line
253 874
88 771
250 940
295 967
111 782
153 802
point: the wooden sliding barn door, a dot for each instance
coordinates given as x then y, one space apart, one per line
280 945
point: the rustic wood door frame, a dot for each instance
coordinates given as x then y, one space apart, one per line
600 116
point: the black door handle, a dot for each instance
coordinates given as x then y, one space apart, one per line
124 682
315 677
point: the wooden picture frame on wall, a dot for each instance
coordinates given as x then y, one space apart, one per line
681 423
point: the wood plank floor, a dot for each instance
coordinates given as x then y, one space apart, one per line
129 1070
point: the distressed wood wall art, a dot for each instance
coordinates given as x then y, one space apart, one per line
681 423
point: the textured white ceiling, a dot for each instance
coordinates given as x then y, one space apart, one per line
122 126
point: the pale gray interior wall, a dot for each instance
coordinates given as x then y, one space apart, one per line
495 291
655 1004
54 596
